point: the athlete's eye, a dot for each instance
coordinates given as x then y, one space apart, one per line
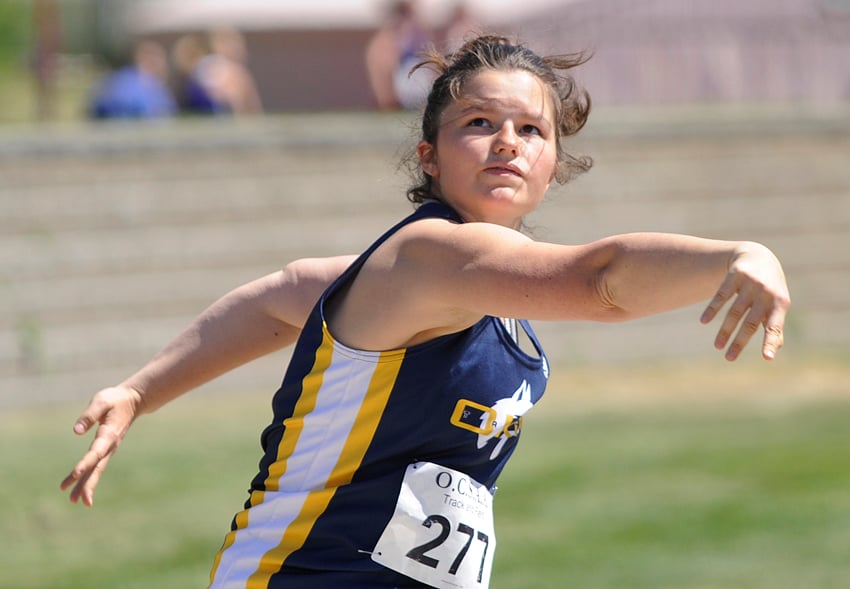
531 130
479 122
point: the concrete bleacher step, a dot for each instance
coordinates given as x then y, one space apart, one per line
112 240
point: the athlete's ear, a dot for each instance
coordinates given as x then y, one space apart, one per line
428 159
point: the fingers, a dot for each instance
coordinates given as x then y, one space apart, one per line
84 483
773 336
114 409
86 474
750 324
726 291
92 415
754 306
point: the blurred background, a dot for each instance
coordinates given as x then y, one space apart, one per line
156 154
310 56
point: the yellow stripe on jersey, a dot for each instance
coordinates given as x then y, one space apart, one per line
241 523
362 432
311 386
294 426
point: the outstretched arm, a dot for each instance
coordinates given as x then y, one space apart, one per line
486 269
251 321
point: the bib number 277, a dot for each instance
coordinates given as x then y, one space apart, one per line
420 553
441 532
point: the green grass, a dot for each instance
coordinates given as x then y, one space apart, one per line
668 493
160 515
703 500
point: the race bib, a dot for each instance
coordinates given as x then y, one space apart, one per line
441 532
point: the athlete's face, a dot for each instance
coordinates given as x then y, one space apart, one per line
496 153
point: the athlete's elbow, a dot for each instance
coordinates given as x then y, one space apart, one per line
607 307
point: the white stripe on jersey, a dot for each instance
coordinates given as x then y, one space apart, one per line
321 448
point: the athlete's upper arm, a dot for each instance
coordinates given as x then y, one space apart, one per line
291 293
493 270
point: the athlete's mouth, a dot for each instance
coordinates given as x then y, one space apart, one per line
504 169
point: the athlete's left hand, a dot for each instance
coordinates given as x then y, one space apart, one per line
757 284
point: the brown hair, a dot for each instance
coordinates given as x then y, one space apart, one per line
571 104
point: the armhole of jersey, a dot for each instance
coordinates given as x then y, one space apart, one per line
428 209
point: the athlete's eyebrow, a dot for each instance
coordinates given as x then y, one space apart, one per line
472 105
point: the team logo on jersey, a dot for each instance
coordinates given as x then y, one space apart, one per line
501 422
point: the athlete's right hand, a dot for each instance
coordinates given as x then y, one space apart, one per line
114 409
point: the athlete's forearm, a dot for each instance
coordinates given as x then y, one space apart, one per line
234 330
648 273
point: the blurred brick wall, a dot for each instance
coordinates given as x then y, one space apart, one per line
692 51
645 52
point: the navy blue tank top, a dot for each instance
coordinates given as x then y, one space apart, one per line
347 423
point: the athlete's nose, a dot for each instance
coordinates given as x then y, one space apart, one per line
507 139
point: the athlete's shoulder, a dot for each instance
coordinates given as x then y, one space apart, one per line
435 237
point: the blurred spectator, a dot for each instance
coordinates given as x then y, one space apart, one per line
459 25
228 72
47 40
391 54
138 90
213 76
192 94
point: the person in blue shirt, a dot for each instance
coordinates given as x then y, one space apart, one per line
138 90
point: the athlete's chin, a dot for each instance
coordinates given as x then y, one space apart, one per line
510 198
503 194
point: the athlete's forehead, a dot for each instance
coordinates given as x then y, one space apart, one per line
528 111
